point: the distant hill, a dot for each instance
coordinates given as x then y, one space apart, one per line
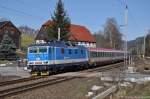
136 46
25 30
28 35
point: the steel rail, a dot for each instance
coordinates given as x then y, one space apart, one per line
19 89
5 83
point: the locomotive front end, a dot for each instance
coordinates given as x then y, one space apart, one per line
39 59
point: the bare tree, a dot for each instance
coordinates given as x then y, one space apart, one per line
147 44
100 40
112 34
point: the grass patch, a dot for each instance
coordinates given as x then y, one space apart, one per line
82 87
140 90
26 40
4 61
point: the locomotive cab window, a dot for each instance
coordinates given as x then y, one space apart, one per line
32 50
42 50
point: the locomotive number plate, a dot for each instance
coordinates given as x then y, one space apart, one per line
38 62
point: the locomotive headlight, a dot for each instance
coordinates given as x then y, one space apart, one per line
31 63
46 62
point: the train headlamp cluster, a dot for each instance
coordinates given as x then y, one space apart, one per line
31 63
46 62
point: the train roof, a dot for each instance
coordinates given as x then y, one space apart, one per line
57 44
104 50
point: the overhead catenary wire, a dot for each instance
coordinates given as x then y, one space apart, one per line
22 13
131 15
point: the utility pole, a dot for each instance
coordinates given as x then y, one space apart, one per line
144 47
126 24
58 34
110 37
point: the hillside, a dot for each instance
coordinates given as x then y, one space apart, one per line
26 41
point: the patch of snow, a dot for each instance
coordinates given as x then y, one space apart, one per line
25 68
2 65
10 63
125 84
94 88
90 94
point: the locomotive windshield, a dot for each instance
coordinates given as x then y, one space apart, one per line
33 50
38 50
42 49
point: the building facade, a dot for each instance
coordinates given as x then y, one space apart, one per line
14 33
78 34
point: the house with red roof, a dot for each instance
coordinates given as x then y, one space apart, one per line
78 34
12 30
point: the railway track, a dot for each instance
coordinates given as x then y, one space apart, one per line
6 83
21 85
105 68
30 86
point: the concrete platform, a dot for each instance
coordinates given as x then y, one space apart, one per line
14 71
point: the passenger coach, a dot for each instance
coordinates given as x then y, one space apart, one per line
103 55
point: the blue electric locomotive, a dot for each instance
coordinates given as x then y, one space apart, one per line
54 56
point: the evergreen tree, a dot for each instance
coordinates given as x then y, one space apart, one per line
7 47
59 20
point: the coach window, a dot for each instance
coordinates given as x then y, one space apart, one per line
109 54
100 54
92 54
62 50
95 54
112 54
104 54
70 52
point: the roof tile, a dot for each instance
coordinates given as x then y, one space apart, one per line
78 33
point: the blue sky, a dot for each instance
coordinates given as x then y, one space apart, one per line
90 13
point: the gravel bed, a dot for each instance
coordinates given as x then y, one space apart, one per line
8 78
25 83
73 89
